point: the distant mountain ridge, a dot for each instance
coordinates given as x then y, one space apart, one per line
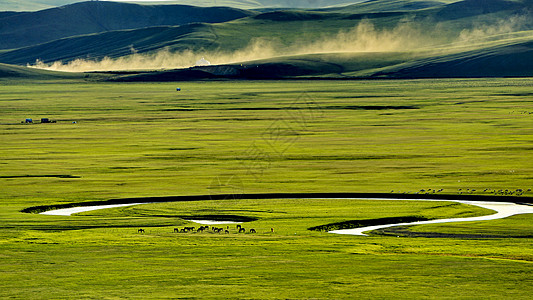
26 29
34 5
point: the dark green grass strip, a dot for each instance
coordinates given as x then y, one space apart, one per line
404 231
39 176
513 199
369 222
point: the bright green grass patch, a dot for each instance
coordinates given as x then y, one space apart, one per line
291 262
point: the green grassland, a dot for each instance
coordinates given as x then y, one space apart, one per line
365 136
469 136
291 262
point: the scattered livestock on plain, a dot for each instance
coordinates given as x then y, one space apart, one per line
213 229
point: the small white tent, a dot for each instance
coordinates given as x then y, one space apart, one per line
202 62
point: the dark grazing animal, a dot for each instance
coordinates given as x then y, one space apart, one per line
140 230
252 230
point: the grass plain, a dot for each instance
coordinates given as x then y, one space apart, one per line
470 136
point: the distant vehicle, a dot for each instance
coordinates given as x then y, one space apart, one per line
47 120
29 120
178 89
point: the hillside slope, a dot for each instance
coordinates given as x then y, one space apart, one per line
9 72
32 5
226 37
505 60
286 67
374 6
27 29
514 60
114 44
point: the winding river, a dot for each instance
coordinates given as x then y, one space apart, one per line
501 209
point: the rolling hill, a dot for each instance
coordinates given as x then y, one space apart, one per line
5 14
10 72
31 5
375 6
286 67
21 30
226 37
505 60
282 28
34 5
113 44
512 60
394 39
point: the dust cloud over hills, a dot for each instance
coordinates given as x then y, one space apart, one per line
391 38
406 36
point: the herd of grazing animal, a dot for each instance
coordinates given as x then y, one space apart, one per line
206 228
212 229
500 192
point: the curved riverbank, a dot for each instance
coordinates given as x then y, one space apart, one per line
502 209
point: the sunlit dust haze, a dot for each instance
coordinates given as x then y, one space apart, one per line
365 37
162 59
497 29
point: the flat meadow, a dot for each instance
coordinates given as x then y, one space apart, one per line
127 140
